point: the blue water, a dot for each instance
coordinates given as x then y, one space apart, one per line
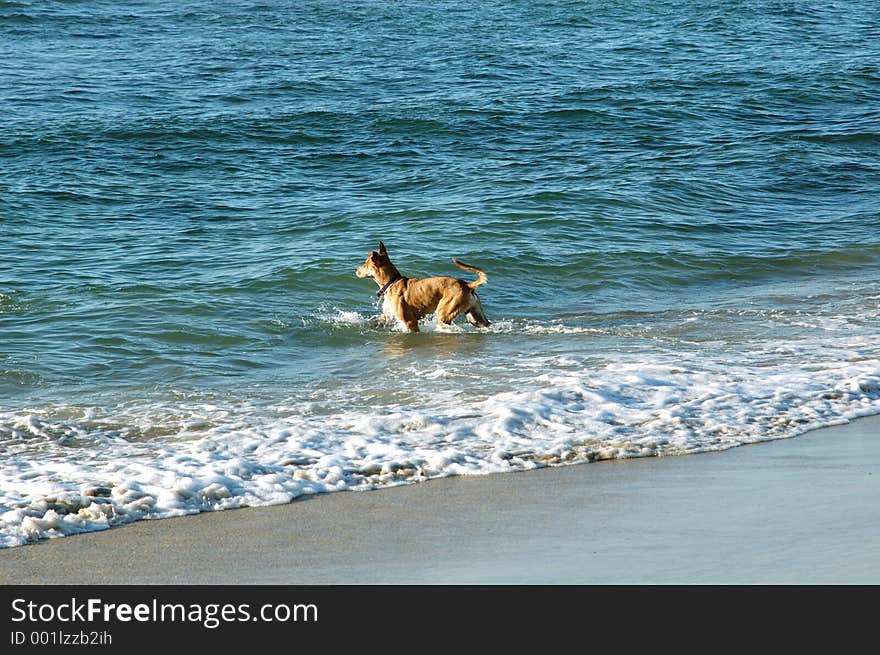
675 204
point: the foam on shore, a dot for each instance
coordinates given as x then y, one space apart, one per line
70 469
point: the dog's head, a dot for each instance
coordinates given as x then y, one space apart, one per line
375 261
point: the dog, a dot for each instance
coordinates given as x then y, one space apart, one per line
407 300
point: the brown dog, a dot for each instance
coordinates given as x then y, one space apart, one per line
409 299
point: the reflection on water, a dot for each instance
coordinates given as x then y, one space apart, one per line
432 345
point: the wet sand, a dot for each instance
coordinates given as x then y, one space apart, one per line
802 510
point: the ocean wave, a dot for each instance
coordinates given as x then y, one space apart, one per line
67 470
670 324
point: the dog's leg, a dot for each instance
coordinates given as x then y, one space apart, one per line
401 312
447 310
409 319
475 315
477 320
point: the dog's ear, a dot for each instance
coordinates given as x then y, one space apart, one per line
382 250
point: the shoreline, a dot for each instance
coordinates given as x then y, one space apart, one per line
801 510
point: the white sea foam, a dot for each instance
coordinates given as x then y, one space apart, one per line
508 326
338 317
344 318
69 469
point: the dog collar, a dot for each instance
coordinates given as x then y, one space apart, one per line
388 284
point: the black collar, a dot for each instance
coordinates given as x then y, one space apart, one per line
388 284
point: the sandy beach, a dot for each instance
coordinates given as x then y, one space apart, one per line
802 510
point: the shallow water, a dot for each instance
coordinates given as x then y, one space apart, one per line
675 206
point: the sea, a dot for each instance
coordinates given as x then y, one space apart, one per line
677 205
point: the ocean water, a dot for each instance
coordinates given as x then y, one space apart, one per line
676 205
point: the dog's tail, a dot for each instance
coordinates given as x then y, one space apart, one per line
482 279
